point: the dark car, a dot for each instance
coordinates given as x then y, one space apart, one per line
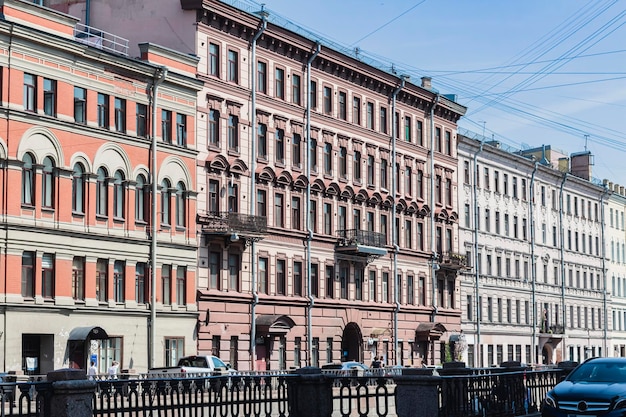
596 387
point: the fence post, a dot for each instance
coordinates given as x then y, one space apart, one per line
310 393
71 393
417 393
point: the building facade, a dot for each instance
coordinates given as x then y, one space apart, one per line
81 255
532 224
328 227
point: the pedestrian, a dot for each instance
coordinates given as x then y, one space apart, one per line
92 371
113 369
375 363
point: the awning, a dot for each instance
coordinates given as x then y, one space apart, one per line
429 331
89 332
377 331
274 324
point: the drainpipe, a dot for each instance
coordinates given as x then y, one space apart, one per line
394 186
433 248
476 257
561 227
604 277
87 12
309 236
254 133
533 272
159 77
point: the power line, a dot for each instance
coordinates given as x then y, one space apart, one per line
386 24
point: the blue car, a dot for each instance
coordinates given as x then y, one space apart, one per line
596 387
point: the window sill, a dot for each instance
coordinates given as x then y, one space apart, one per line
78 214
102 217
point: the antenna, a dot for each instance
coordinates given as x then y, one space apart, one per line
586 139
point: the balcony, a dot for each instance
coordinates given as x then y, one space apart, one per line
233 226
361 243
452 260
101 39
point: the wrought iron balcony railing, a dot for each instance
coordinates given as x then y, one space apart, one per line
229 222
353 237
453 260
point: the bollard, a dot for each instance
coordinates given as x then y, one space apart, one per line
71 393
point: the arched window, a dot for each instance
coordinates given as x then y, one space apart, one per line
118 195
47 183
28 180
78 188
165 202
180 205
141 198
102 190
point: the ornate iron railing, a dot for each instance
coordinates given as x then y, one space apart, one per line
229 222
350 237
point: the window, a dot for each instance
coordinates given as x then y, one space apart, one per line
330 279
448 143
141 199
119 269
370 169
28 180
181 205
295 89
262 139
279 150
297 278
328 219
181 285
263 279
102 279
313 216
383 120
49 97
295 213
118 195
328 159
47 183
385 287
233 132
383 173
356 110
280 277
214 128
120 115
313 154
313 94
103 110
30 92
78 278
165 202
261 77
233 66
233 198
370 115
419 132
408 180
214 60
102 190
328 100
296 151
420 184
343 114
140 283
280 83
261 203
181 130
438 139
166 126
47 275
234 352
80 105
28 276
279 217
174 350
215 266
343 163
407 128
356 167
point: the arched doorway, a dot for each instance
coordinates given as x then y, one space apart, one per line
352 343
546 354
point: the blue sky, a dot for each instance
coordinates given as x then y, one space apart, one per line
530 72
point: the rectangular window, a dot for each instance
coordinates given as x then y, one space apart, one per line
343 98
356 110
30 92
166 284
281 284
383 173
383 120
78 278
234 352
313 94
47 275
328 100
280 83
49 97
279 214
213 128
80 105
214 60
140 283
279 146
233 66
261 77
296 213
419 133
166 126
181 130
174 350
142 120
295 89
102 279
28 276
234 266
103 111
233 133
297 278
328 219
119 269
370 115
181 285
330 279
263 281
120 115
296 151
262 141
215 266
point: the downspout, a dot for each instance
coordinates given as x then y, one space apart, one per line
309 235
396 248
604 277
87 12
159 77
476 257
254 133
562 231
433 248
533 272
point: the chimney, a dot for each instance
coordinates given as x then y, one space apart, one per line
427 83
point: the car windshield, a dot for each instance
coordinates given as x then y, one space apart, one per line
599 371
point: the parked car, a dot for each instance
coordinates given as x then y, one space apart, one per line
351 368
596 387
197 364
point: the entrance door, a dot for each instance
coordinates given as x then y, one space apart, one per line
37 353
352 343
